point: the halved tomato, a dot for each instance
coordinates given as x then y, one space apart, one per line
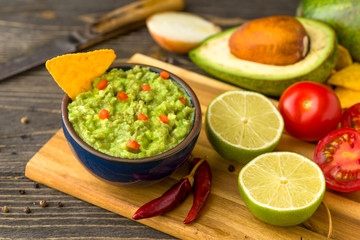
351 117
338 155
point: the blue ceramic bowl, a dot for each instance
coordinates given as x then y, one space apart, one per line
133 172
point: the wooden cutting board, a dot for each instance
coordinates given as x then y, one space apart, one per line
225 217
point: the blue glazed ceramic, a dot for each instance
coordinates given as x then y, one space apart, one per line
133 172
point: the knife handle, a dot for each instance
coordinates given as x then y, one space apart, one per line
134 13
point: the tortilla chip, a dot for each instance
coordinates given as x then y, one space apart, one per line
348 77
344 58
347 97
75 72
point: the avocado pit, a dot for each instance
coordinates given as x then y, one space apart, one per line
275 40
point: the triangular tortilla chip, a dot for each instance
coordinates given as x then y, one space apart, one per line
75 72
347 97
344 58
348 77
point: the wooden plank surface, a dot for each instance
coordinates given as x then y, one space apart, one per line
26 24
225 217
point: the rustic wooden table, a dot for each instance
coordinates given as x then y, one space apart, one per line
33 95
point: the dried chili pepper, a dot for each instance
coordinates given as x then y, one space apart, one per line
202 189
169 200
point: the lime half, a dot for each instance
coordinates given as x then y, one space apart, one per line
241 125
282 188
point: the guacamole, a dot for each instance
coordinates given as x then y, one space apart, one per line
132 114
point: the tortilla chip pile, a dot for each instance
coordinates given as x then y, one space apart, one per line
346 79
75 72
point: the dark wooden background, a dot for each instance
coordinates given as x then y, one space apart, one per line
26 24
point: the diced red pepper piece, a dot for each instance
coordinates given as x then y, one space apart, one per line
102 84
142 116
164 75
104 114
182 99
133 144
163 118
146 87
122 96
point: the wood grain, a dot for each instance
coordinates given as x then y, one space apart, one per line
226 215
26 24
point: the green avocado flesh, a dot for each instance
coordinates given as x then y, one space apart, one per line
110 135
342 15
214 57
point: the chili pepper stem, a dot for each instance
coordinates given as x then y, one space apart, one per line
190 176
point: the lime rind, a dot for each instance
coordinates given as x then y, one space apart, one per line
282 204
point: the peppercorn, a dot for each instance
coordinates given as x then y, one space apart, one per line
36 185
27 210
22 191
5 209
60 204
43 203
24 120
231 168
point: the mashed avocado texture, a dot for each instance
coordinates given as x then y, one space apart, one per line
110 135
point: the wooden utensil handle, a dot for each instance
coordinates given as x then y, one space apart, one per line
133 14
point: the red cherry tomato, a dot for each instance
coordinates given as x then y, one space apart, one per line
338 155
310 110
351 117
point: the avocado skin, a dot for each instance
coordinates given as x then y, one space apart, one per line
342 15
270 88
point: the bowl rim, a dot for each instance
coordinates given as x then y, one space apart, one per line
195 130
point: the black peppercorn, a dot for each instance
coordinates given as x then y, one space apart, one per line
231 168
36 185
60 204
22 191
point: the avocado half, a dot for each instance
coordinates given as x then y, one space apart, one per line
214 57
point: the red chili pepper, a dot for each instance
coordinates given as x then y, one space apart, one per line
202 189
142 116
133 144
102 84
164 118
104 114
164 75
182 99
145 87
122 96
169 200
